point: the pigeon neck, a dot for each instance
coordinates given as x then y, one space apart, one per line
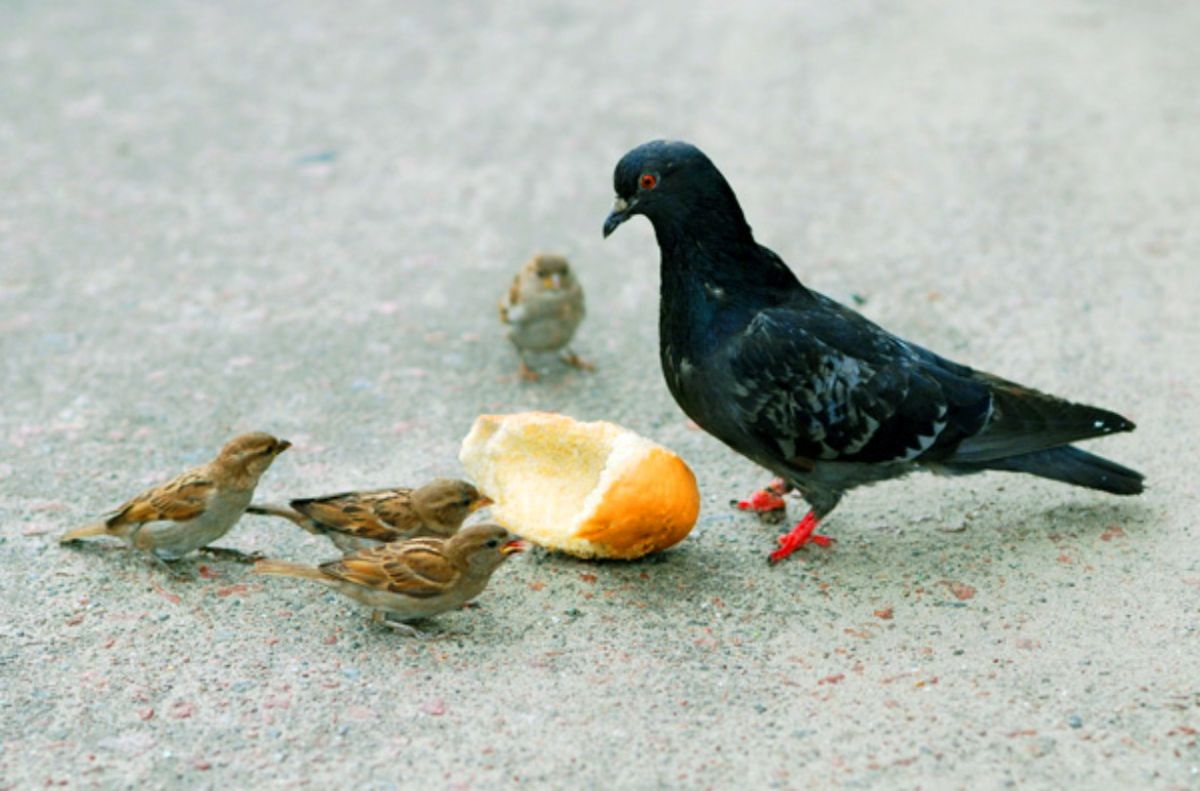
712 227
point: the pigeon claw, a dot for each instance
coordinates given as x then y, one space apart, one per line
803 533
768 499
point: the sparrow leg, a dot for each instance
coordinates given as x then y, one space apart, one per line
801 534
767 499
575 361
171 569
526 373
381 618
232 554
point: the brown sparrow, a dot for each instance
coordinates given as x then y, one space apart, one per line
359 520
542 309
193 509
412 579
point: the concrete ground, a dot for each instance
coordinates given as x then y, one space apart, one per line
297 217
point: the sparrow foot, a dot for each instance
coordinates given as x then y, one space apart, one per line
800 535
526 373
767 499
575 361
398 626
173 569
229 553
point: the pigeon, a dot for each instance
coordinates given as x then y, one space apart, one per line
542 309
195 508
808 388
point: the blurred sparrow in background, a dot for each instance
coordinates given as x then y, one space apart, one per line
359 520
412 579
542 309
193 509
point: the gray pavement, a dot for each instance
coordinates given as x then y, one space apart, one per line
297 217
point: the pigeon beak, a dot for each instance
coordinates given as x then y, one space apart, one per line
619 214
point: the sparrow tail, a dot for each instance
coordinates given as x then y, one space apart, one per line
94 529
284 568
1072 465
282 511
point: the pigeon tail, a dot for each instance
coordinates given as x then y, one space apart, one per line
1070 465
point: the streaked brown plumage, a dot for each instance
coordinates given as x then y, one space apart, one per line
542 309
412 579
359 520
195 508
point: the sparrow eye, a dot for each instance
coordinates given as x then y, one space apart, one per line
493 543
648 181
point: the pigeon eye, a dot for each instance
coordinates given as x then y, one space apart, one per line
648 181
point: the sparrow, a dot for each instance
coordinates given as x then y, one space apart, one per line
542 309
810 389
195 508
407 580
359 520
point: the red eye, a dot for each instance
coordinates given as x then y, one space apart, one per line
648 181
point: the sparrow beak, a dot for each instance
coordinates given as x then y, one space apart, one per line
619 214
513 547
281 445
480 502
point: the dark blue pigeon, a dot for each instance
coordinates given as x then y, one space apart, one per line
811 390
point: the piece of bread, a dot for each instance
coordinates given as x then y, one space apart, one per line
592 490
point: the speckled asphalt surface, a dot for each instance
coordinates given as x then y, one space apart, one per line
298 217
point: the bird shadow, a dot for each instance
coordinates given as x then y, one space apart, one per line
186 569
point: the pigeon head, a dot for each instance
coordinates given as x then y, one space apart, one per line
677 188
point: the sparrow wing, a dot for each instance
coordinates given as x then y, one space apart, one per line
378 515
510 302
180 499
417 568
394 507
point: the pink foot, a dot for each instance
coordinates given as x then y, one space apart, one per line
764 501
801 534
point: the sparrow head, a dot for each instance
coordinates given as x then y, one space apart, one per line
549 272
482 548
671 182
249 455
447 502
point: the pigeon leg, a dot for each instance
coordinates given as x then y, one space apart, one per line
767 499
801 534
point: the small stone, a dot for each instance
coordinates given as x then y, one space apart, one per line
1075 721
